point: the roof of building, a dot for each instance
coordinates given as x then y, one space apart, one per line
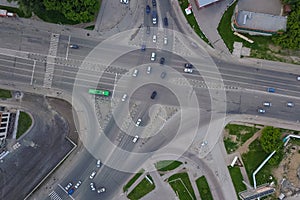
202 3
260 21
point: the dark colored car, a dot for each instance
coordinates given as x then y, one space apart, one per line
74 46
166 21
162 61
143 47
188 65
272 90
71 191
163 75
153 95
154 3
148 9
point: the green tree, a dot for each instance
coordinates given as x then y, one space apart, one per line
75 10
291 38
270 139
28 6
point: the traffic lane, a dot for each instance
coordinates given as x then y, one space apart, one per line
42 137
245 102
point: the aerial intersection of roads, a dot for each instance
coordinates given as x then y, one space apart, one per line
145 92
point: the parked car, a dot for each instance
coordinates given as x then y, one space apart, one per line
154 38
188 70
290 104
92 185
98 163
188 65
135 73
78 184
298 78
68 186
272 90
138 122
153 56
154 3
93 174
148 10
101 190
162 60
74 46
165 40
143 47
135 139
71 191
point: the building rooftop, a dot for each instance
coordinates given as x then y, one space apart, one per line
272 7
260 21
202 3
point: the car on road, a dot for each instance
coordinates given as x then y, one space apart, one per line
68 186
272 90
135 73
153 95
71 191
124 1
154 38
98 163
163 75
260 110
298 78
77 184
188 70
162 60
165 40
166 21
153 56
124 97
188 65
148 9
93 174
138 122
101 190
135 139
267 104
143 47
154 3
92 185
149 68
74 46
148 30
290 104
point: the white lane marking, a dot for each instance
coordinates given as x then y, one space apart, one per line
67 53
34 63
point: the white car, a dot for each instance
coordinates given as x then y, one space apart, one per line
135 139
138 122
92 185
188 70
267 104
68 186
154 38
124 1
78 184
93 174
98 163
124 97
153 56
149 69
298 78
165 40
101 190
261 110
135 73
290 104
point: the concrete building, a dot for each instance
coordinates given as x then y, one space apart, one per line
259 17
202 3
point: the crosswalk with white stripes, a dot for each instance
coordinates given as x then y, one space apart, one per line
54 196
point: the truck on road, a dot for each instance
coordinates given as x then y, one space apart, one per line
4 13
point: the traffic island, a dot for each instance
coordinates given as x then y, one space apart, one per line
143 188
182 186
203 188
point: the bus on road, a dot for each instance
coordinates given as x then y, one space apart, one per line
99 92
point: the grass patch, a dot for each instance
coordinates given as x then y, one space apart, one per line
24 123
131 181
167 165
6 94
237 179
143 188
203 188
252 159
192 21
19 12
90 27
230 146
182 186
